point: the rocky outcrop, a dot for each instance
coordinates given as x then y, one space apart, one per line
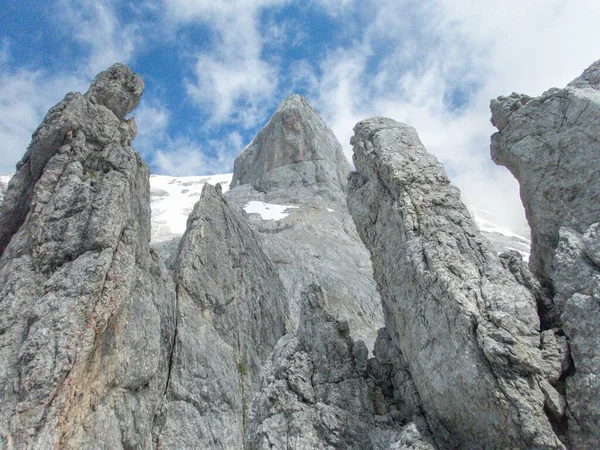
86 310
230 315
550 144
296 161
320 391
466 327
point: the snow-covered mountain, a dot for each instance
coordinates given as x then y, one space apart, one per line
173 199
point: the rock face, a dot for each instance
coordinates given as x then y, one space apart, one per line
550 144
230 315
467 328
296 161
86 310
320 391
297 153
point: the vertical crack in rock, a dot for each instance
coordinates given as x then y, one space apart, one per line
230 314
468 329
551 144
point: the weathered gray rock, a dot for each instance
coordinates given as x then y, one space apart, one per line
117 88
576 280
297 153
550 144
86 310
3 185
231 313
468 330
317 391
295 160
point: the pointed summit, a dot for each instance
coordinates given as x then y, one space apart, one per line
295 149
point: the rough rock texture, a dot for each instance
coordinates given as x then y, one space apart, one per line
230 315
551 145
320 391
295 152
467 328
86 311
295 160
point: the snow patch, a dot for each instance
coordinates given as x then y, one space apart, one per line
173 199
267 211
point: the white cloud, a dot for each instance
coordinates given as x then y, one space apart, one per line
97 26
425 50
231 79
183 157
179 155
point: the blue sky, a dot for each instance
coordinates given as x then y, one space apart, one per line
215 71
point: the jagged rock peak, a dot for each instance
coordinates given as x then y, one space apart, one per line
86 309
466 326
590 78
75 118
117 88
296 148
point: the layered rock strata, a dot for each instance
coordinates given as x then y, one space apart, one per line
297 162
466 327
550 144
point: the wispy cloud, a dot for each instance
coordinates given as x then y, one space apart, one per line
25 96
436 64
232 79
97 26
179 155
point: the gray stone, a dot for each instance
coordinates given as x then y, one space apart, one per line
295 160
467 329
230 315
550 145
314 393
296 152
577 285
86 310
117 88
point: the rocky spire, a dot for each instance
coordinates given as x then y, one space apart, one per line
551 145
295 150
86 311
117 89
296 161
468 330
